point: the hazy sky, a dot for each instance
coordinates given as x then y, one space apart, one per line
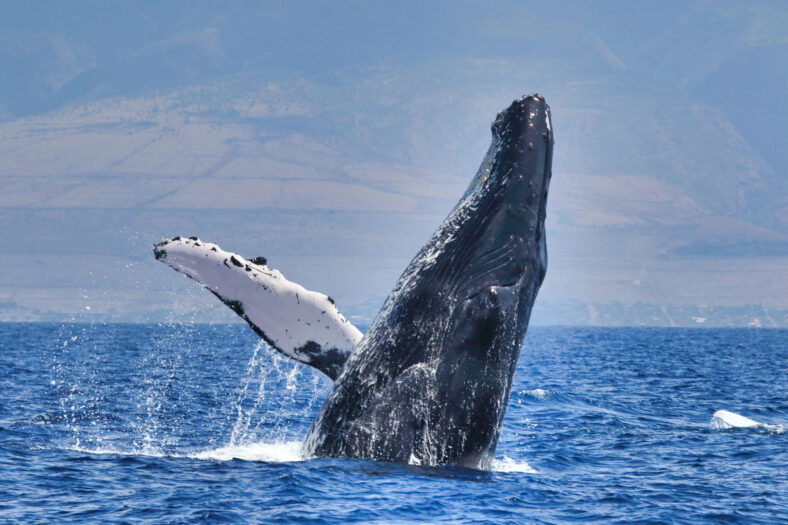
333 137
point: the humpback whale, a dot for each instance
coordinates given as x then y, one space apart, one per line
429 382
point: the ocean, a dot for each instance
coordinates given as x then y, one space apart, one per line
163 423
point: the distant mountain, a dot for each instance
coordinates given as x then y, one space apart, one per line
335 149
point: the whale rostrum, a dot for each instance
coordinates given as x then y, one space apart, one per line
429 382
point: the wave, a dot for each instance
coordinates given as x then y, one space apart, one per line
507 464
101 450
286 452
724 420
278 452
538 393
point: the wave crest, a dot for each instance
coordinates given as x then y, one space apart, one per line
724 420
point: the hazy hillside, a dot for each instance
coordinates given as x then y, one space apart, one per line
336 150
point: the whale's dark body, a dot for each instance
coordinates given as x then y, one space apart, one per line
430 380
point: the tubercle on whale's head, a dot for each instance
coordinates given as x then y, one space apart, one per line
521 163
530 111
523 135
510 190
521 151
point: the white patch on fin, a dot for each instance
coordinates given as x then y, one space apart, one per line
300 323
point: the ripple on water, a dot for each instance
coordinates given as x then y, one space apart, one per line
170 423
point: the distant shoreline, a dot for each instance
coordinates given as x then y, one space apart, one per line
364 327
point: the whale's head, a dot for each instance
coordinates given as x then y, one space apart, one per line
492 248
494 261
504 205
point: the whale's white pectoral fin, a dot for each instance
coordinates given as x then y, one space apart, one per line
299 323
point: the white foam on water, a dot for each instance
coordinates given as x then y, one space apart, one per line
99 450
507 464
285 452
537 392
723 420
280 452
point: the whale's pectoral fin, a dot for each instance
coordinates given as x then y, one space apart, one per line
297 322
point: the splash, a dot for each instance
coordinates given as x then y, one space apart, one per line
259 416
265 404
284 452
507 464
538 393
154 410
724 420
243 419
280 452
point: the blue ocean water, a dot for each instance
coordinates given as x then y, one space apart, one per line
186 423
